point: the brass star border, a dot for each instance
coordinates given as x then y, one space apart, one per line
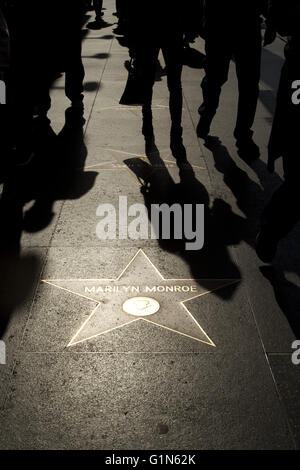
177 319
114 164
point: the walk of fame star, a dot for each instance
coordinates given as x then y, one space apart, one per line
114 158
115 161
140 293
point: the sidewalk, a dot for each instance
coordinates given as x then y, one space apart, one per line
76 378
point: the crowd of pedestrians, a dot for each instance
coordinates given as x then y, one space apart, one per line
41 40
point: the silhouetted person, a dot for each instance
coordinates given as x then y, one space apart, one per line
283 212
22 77
4 68
156 26
119 5
45 39
4 46
63 53
232 29
222 226
98 5
122 8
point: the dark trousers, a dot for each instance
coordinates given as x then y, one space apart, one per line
20 99
74 76
121 8
245 49
283 211
98 5
146 56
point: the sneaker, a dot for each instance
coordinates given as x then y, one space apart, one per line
177 148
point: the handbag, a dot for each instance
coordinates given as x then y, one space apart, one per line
133 94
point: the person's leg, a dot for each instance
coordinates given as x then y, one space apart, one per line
172 49
42 99
218 55
20 109
74 83
118 7
74 76
280 216
121 7
146 53
283 211
247 56
98 5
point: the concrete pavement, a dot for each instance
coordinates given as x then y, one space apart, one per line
224 381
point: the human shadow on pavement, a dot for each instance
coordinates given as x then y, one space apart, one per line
287 295
98 25
18 272
271 66
251 198
222 227
56 172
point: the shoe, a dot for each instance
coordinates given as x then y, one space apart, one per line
99 19
266 245
150 147
178 152
177 147
147 129
203 127
120 30
247 149
97 24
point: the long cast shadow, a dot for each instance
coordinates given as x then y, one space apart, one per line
286 294
271 65
213 261
18 272
45 40
251 198
55 173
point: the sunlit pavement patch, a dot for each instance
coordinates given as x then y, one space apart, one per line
140 291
